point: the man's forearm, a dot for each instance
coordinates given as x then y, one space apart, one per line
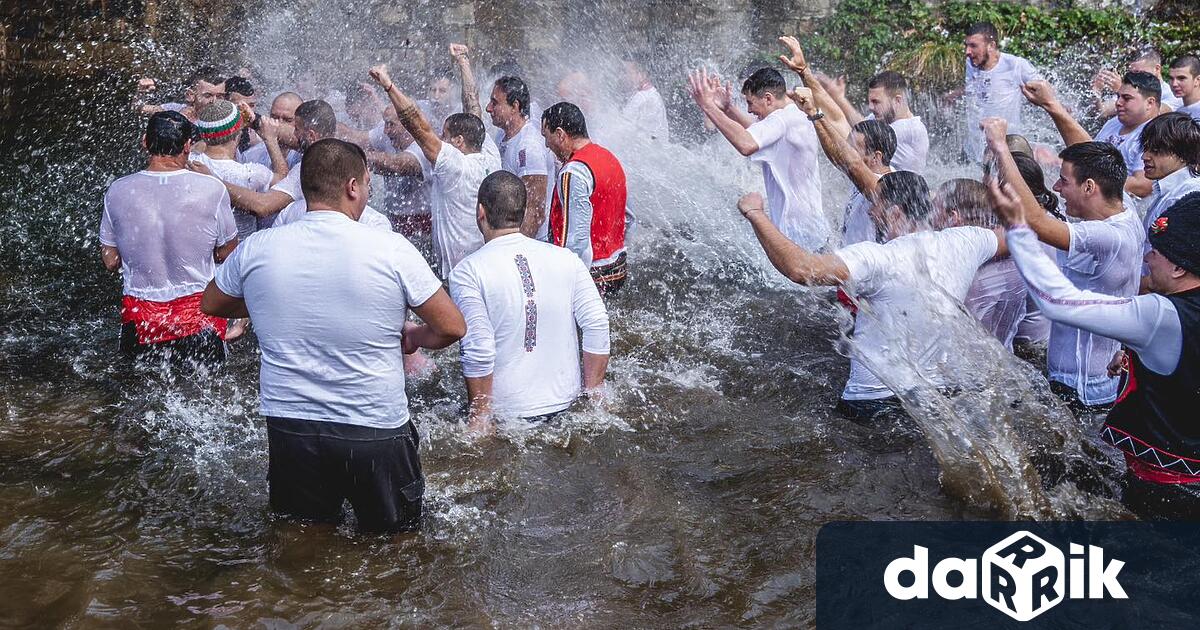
1049 229
402 163
479 397
594 368
733 131
853 116
1139 185
535 206
470 93
279 165
1069 128
414 121
791 260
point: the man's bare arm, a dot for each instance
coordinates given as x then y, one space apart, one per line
402 163
1048 228
707 91
796 61
535 204
1138 184
470 92
410 115
837 149
1041 94
791 260
216 303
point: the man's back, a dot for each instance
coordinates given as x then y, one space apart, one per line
165 226
329 297
523 301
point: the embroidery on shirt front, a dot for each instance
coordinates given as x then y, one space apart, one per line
530 305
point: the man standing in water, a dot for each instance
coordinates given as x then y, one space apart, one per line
332 375
526 304
887 99
645 108
782 140
1098 253
1154 421
906 280
523 152
587 212
993 86
164 228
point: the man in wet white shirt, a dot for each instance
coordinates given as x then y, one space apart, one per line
164 229
993 86
523 151
1099 252
783 141
1109 80
454 164
1185 84
338 425
527 305
887 100
203 87
1171 153
645 109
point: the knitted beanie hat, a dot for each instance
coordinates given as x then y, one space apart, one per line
219 122
1176 234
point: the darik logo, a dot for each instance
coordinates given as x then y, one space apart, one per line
1023 576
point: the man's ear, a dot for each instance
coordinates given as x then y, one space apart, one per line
144 145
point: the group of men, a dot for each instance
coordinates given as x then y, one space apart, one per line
240 217
1116 277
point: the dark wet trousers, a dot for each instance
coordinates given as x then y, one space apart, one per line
314 466
1067 394
611 277
872 411
202 349
1161 501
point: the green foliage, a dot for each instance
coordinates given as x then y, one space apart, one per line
924 41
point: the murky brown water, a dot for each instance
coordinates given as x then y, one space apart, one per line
127 500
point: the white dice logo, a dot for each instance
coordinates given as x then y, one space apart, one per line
1023 576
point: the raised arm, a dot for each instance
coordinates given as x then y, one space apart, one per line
836 146
268 130
836 88
470 92
1041 94
1049 229
402 163
708 93
791 260
410 115
796 61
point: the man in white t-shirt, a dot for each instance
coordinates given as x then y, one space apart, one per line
283 112
220 125
203 86
1099 252
338 425
454 164
1171 154
993 86
910 284
164 229
527 304
523 151
887 100
1185 84
783 141
645 109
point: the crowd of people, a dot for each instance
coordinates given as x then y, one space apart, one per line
508 236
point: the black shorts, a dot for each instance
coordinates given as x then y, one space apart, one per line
611 277
202 349
872 411
314 466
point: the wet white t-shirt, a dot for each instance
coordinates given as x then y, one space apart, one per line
995 93
909 286
258 154
646 111
526 154
527 303
787 149
1129 144
455 179
249 175
329 298
1192 110
998 299
912 145
165 225
298 209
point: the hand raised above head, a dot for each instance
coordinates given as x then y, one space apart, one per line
803 98
1039 93
751 203
995 130
268 128
380 74
836 86
796 59
458 51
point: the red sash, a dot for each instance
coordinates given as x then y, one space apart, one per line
157 322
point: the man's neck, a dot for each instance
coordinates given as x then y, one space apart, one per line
1103 210
1127 128
163 163
324 207
514 126
1191 99
902 112
227 151
491 235
992 62
577 144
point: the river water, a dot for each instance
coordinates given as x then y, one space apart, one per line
129 499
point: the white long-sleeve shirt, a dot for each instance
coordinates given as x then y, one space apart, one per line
525 303
1148 324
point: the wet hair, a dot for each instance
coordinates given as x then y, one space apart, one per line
167 133
326 167
987 29
878 136
909 192
469 127
1175 134
1191 62
239 85
566 116
1145 83
507 67
503 198
515 91
208 74
890 80
1018 144
1035 179
1150 56
318 116
765 80
968 198
1100 162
